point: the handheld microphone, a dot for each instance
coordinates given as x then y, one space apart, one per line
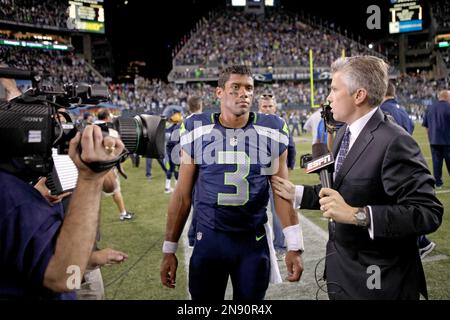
322 163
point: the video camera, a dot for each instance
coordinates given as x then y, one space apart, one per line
33 123
331 124
304 159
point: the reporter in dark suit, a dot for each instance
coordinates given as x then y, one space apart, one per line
383 194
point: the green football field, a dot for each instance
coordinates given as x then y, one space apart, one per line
138 278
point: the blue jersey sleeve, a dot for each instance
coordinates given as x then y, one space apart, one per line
186 136
283 134
291 153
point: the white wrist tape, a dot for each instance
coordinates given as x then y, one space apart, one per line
294 238
169 247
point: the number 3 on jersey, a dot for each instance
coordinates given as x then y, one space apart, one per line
236 178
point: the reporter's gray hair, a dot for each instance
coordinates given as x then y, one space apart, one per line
368 72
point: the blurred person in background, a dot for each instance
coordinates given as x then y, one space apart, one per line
392 107
174 119
311 124
437 122
401 117
113 178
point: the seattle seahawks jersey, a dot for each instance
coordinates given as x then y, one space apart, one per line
234 167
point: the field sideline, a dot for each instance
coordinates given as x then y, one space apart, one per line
142 238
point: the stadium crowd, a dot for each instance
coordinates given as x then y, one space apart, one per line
279 39
46 13
441 12
58 67
414 90
153 95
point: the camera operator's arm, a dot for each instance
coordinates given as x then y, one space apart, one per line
179 208
77 235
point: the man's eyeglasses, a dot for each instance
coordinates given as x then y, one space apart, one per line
267 95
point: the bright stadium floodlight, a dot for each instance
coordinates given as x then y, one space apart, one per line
370 45
238 3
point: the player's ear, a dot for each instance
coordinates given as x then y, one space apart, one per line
219 92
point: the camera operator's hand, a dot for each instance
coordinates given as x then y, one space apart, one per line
94 147
106 257
45 192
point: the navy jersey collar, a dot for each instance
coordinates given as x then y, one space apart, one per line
251 119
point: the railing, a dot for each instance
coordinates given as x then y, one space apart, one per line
35 26
98 74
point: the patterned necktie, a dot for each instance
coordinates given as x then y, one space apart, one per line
343 150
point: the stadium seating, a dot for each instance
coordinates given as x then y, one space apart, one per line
35 12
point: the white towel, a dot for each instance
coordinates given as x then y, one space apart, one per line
275 275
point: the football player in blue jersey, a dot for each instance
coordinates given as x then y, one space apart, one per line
229 158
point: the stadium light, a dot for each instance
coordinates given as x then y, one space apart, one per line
238 3
370 45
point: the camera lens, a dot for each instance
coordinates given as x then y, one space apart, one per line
142 134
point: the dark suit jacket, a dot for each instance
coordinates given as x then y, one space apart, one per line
385 170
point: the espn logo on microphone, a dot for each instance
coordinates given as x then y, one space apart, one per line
319 163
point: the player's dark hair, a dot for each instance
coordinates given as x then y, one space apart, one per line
103 115
228 71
